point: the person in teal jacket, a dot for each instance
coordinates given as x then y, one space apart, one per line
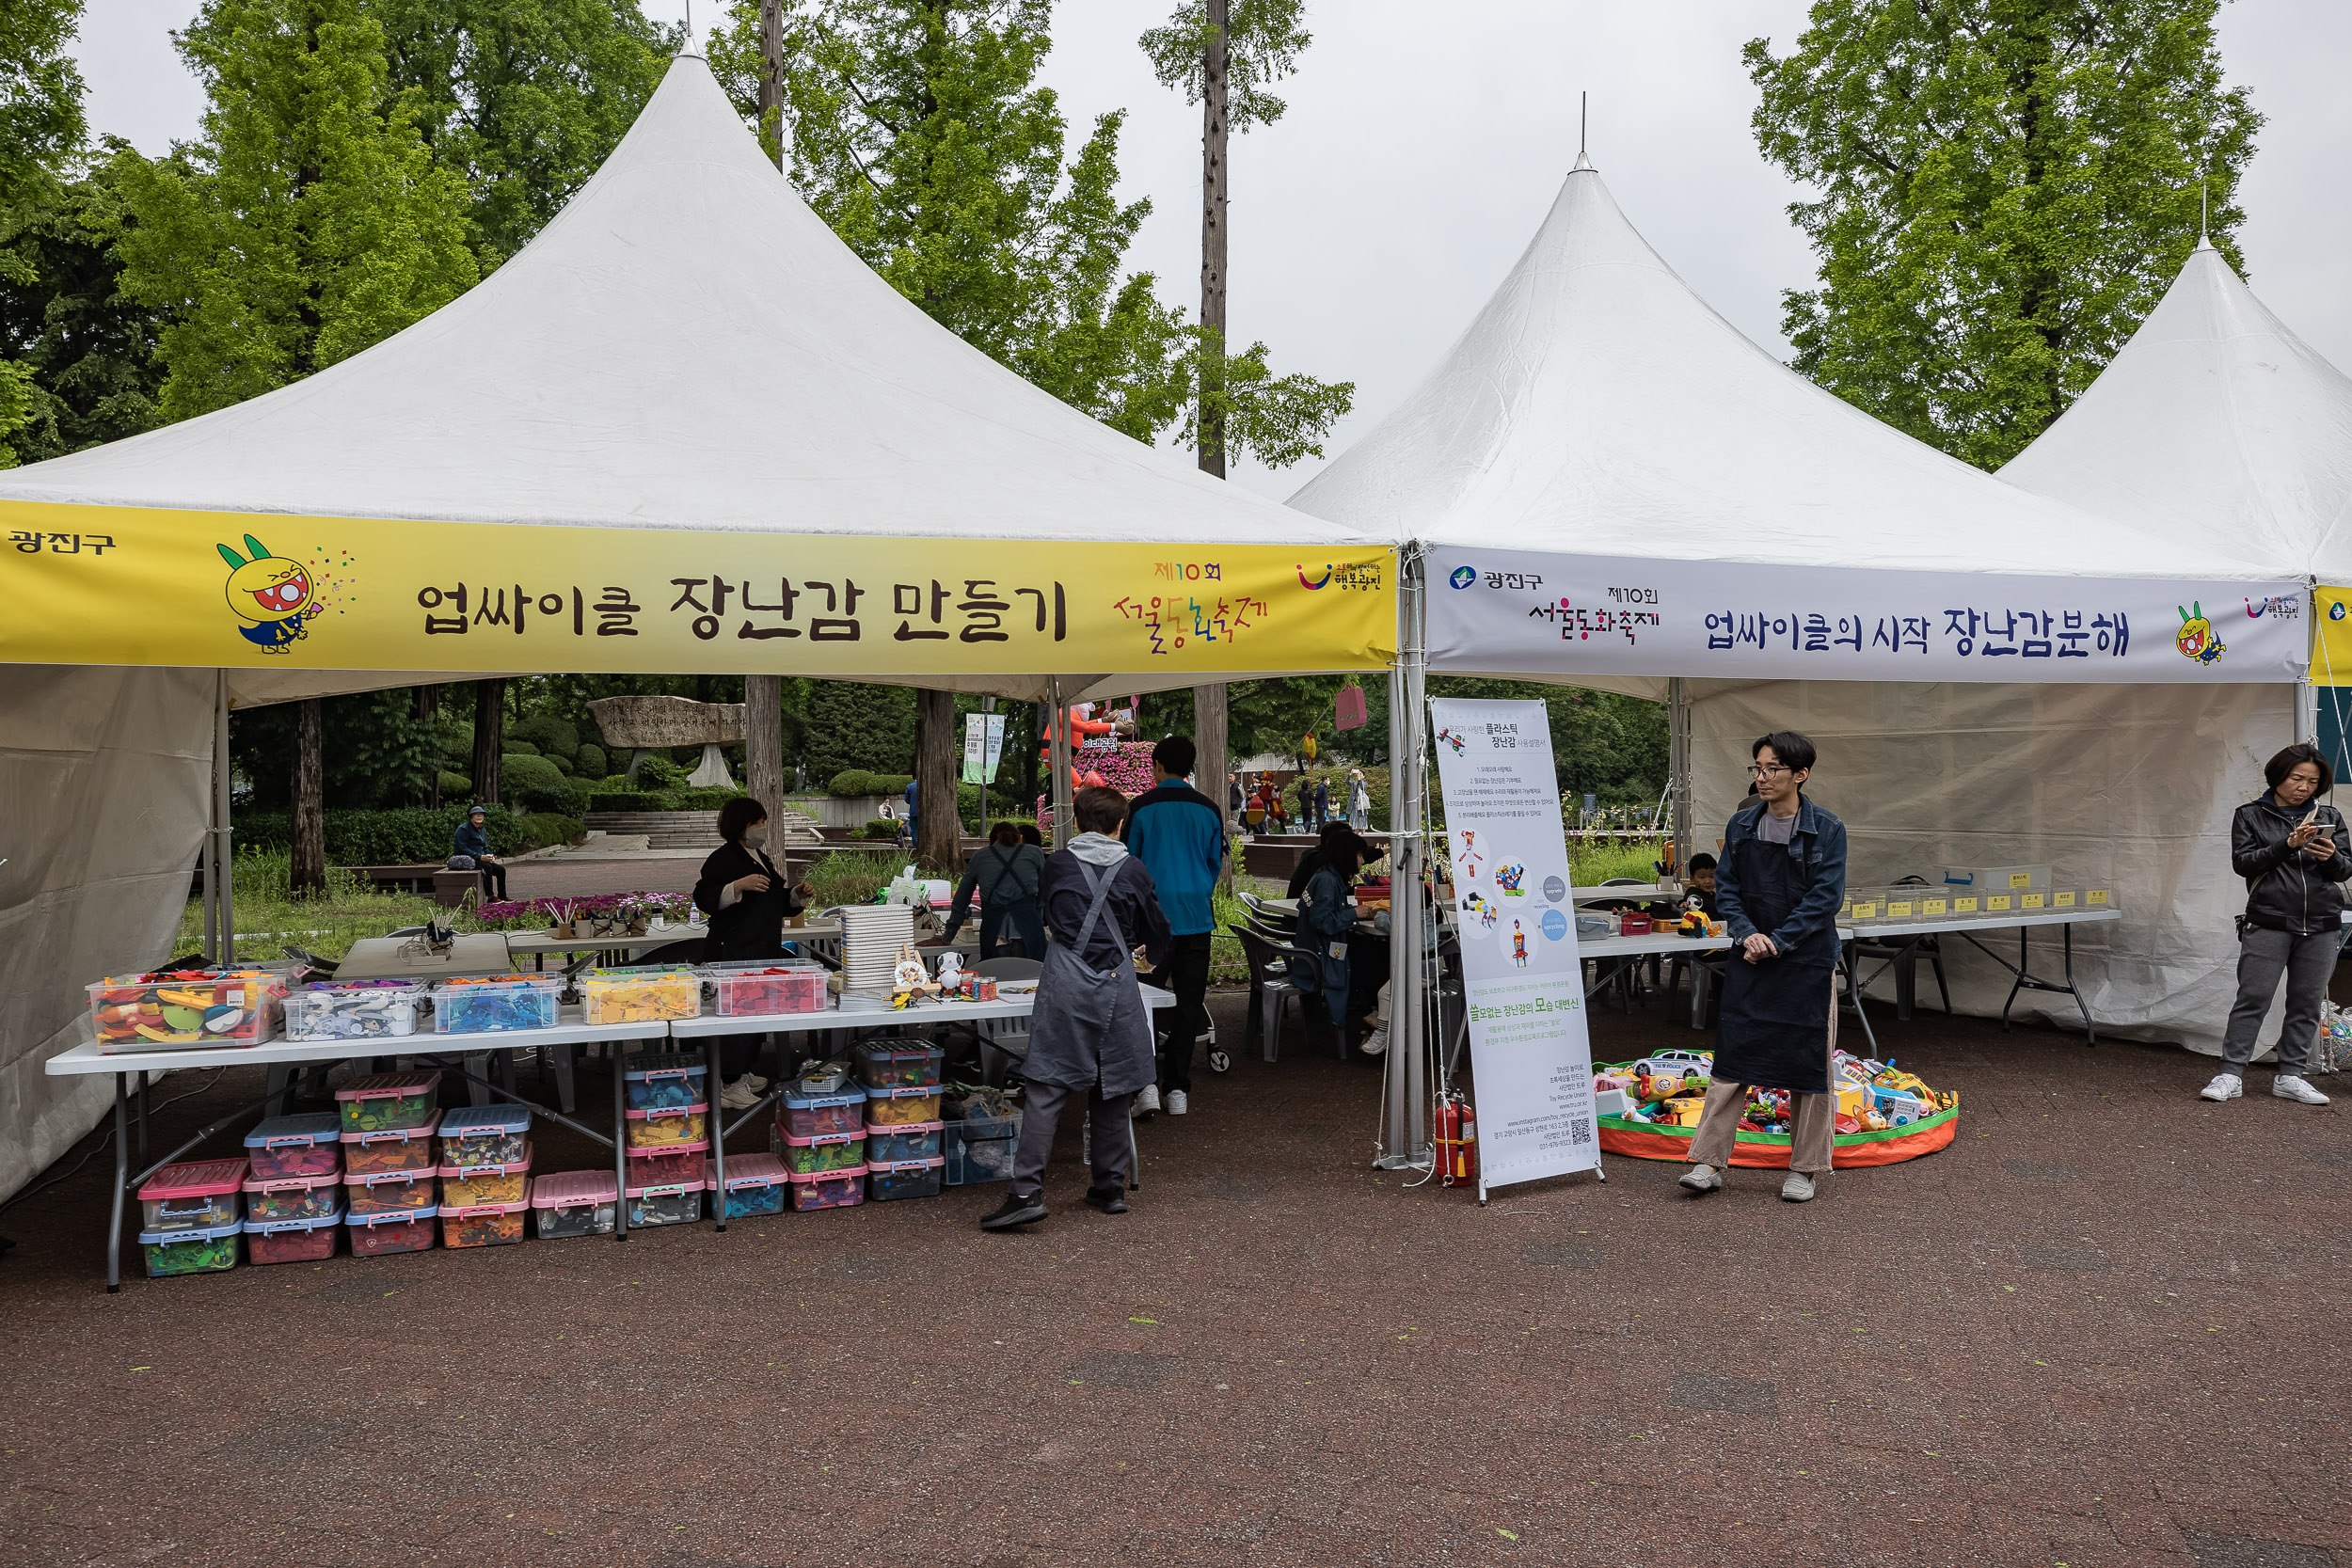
1179 835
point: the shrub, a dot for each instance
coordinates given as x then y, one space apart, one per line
857 781
562 767
655 773
528 770
519 748
544 828
589 763
881 826
400 837
699 799
548 735
456 786
568 798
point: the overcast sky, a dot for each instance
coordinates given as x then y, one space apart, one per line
1424 145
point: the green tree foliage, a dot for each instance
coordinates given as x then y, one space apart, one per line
522 99
90 351
852 725
2007 186
375 751
306 223
41 126
1263 40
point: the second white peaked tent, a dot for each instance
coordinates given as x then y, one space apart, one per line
1596 406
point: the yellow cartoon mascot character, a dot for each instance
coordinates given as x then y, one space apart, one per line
2198 639
271 594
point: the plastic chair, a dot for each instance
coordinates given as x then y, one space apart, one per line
1270 988
1010 969
1269 917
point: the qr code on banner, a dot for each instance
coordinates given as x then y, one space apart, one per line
1579 1129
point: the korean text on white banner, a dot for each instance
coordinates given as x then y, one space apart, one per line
983 746
1616 615
1521 978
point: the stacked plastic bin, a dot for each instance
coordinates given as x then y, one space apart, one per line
496 1005
191 1217
754 989
902 1124
821 1140
354 1010
667 1135
390 1190
757 1184
173 1008
639 995
568 1203
485 1175
982 1133
294 1189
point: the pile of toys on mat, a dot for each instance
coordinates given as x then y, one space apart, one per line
1670 1090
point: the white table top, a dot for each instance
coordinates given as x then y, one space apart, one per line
530 942
1996 922
1620 947
569 1030
866 1012
470 956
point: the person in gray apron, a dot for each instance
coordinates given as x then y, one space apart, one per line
1777 888
1090 1032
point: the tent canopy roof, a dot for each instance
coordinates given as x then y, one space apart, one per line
1598 407
2213 422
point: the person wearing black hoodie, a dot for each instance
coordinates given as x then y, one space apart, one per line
2292 853
747 901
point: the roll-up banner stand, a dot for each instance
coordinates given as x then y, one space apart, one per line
1523 982
1501 612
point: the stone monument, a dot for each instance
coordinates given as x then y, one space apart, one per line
642 723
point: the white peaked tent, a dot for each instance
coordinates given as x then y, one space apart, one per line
1596 407
686 346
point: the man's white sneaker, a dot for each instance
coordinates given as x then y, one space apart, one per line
2225 1085
1375 1043
1701 1178
754 1082
2287 1086
1178 1103
739 1096
1797 1189
1147 1101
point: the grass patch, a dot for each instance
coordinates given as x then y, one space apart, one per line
269 917
1593 862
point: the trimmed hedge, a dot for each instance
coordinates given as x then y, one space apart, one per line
856 781
881 826
544 828
591 762
673 799
400 837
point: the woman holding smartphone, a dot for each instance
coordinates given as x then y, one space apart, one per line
2292 853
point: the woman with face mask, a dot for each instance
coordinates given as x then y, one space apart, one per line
746 900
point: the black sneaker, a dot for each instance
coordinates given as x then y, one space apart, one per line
1018 1209
1111 1201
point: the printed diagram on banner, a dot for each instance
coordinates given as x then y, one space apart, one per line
1523 979
1553 614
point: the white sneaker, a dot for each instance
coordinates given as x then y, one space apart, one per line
754 1082
1178 1103
2225 1085
1375 1043
1701 1178
1797 1189
739 1095
2288 1086
1147 1101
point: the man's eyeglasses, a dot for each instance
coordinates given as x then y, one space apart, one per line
1765 770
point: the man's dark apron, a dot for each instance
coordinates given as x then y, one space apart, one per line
1089 1023
1775 1021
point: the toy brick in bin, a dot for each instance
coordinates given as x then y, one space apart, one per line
890 1145
903 1179
810 1116
403 1149
483 1224
653 1203
308 1240
374 1234
901 1107
980 1149
894 1064
664 1080
757 1184
832 1189
203 1250
185 1008
389 1101
668 1166
295 1145
485 1135
472 1186
354 1009
274 1199
752 989
639 995
199 1194
827 1151
667 1128
567 1203
491 1006
408 1193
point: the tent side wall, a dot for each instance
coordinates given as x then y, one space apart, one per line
2126 787
106 773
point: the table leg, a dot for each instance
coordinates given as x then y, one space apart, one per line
2018 984
718 1115
2066 934
122 1181
1853 994
620 1145
142 1098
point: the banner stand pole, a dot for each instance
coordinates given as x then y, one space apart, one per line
1404 1123
1678 766
1060 757
220 904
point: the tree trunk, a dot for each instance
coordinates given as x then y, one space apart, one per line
771 73
1209 735
428 709
1029 746
1212 367
308 870
939 826
489 738
763 742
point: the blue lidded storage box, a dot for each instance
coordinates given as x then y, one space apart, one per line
664 1080
484 1135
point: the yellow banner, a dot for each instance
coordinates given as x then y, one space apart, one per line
125 585
2331 650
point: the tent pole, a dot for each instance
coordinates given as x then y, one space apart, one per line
204 857
1405 1126
2306 692
1678 766
1060 759
218 877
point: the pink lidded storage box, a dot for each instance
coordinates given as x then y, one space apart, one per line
199 1194
829 1189
282 1198
408 1193
569 1203
387 1153
483 1224
310 1240
374 1234
295 1145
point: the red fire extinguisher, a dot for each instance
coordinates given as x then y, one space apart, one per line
1458 1142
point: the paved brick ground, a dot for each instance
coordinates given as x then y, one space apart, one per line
2107 1327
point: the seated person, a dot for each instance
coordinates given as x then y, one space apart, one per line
472 853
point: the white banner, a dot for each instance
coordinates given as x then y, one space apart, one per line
983 745
1521 978
1540 614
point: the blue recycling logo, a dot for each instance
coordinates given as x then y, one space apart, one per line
1463 576
1555 925
2335 611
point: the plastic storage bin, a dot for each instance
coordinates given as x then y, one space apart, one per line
892 1146
281 1199
354 1009
904 1179
665 1202
766 989
185 1008
387 1153
901 1107
308 1240
980 1150
668 1129
483 1224
387 1101
810 1116
639 995
295 1145
833 1189
664 1080
409 1192
373 1235
485 1135
887 1062
667 1166
474 1186
831 1151
201 1194
757 1184
494 1006
567 1203
204 1250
